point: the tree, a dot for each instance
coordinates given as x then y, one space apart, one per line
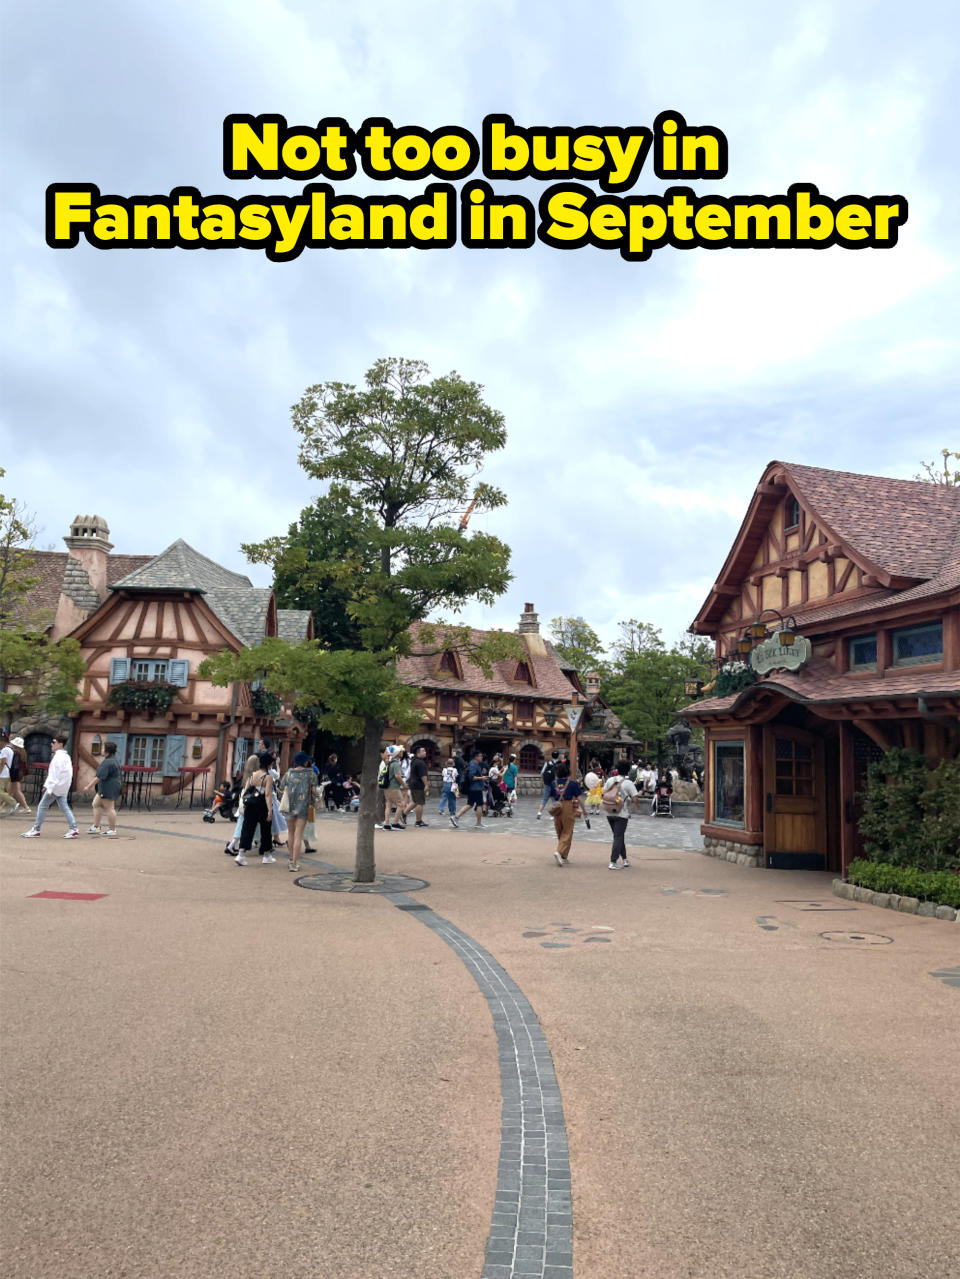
647 687
401 457
636 637
941 473
578 644
35 672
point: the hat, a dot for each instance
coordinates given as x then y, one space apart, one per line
17 741
300 759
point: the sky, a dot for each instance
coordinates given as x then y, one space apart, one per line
642 400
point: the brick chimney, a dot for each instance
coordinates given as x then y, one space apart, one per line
592 684
529 622
89 542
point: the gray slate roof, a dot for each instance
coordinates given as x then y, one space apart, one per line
243 611
181 568
292 624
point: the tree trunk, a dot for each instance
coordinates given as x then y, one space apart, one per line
365 869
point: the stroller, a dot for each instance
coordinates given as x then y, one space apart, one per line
500 805
224 802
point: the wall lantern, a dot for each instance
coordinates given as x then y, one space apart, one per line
692 687
96 746
745 644
786 638
758 630
551 717
197 748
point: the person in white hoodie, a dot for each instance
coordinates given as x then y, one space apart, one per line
55 791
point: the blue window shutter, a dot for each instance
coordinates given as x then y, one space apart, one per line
240 748
121 740
177 672
174 754
119 670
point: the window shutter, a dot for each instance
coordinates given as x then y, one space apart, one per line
240 748
119 671
177 671
174 754
121 740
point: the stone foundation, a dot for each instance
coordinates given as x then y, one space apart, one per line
893 901
731 850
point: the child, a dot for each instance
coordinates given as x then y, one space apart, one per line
594 785
222 803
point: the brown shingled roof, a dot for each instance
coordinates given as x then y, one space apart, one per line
50 567
549 680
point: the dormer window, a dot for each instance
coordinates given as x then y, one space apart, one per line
792 513
448 663
522 674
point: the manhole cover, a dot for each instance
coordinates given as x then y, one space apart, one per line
858 939
342 881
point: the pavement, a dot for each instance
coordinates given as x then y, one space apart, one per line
209 1071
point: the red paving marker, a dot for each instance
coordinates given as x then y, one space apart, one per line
72 897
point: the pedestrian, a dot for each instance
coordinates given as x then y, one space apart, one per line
109 789
570 805
419 782
7 802
18 771
548 775
460 764
510 774
618 793
476 782
55 790
396 792
334 777
382 776
257 809
250 767
299 784
448 793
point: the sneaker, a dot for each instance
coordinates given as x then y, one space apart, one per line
613 866
33 833
377 826
421 823
15 809
72 834
454 823
240 859
539 815
403 827
625 863
93 830
267 858
557 858
111 834
231 852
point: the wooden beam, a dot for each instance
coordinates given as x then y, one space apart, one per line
883 734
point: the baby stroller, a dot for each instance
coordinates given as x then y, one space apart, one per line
500 805
224 802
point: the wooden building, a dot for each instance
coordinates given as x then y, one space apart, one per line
144 624
840 601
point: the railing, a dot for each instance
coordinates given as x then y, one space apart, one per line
192 775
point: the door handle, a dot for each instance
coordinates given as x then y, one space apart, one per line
769 802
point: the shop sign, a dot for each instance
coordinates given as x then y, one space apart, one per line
771 655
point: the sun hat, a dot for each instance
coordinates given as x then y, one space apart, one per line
17 741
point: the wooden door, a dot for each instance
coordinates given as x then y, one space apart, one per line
794 823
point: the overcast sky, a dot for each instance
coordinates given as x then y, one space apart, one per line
643 400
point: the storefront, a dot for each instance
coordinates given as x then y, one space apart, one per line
836 620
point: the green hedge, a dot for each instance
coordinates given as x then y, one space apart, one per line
941 886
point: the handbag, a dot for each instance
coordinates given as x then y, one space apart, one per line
285 802
555 809
311 814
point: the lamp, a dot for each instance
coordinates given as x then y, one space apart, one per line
96 746
744 644
758 630
197 748
551 717
692 687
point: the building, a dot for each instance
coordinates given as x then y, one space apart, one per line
521 707
841 599
144 624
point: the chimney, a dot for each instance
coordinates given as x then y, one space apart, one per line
89 542
592 682
529 623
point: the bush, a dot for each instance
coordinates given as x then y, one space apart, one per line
141 695
940 802
942 886
911 815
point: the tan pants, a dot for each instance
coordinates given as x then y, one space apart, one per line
6 799
563 824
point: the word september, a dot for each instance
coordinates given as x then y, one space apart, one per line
569 215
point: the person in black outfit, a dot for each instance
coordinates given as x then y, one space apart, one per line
257 811
419 774
334 775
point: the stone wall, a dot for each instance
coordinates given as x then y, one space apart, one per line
894 901
731 850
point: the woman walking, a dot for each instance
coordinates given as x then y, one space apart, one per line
571 807
249 768
300 787
18 771
258 802
510 779
617 793
109 790
448 795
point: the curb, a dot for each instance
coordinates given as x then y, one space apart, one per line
893 901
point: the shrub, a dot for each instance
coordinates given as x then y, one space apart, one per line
940 827
266 704
911 816
140 695
942 886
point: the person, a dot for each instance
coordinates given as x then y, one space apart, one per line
18 771
258 799
250 767
460 764
382 777
419 782
510 774
55 790
396 792
548 775
7 802
571 807
109 789
618 792
476 784
448 792
277 820
333 795
594 785
663 786
223 801
299 786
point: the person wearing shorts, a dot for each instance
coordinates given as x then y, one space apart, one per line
419 782
475 787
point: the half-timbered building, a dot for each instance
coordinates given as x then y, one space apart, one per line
836 619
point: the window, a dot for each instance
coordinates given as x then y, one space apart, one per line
918 644
146 752
530 759
448 662
525 710
792 513
863 652
522 674
794 767
449 704
728 783
148 671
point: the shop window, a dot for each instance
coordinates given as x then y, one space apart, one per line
863 652
792 513
794 767
728 783
525 710
530 759
918 644
449 704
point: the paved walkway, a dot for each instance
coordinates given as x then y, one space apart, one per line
208 1071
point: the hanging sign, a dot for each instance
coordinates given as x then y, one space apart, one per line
771 655
574 714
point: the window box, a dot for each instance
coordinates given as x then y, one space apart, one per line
148 697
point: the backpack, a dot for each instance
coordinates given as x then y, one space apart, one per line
612 799
549 772
383 775
15 767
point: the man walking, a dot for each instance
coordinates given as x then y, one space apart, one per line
7 803
548 775
55 791
419 782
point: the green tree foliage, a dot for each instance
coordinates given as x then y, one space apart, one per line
646 689
911 814
35 673
401 456
578 644
945 471
635 637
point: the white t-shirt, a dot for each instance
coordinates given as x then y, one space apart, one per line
449 776
6 759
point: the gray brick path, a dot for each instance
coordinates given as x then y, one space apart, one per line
531 1232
